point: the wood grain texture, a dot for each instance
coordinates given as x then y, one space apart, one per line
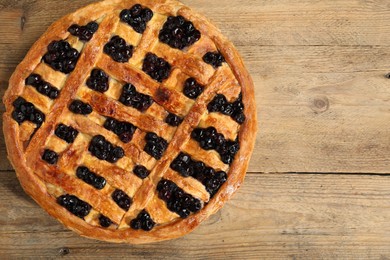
279 216
323 106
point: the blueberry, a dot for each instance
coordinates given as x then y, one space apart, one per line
183 164
54 93
98 81
66 133
166 189
141 171
122 199
173 120
214 181
74 29
137 17
214 58
18 116
147 225
38 118
50 156
110 124
61 56
192 89
92 26
130 97
135 224
143 220
26 111
195 206
117 153
104 150
79 107
238 110
183 212
157 68
234 110
176 199
104 221
125 15
74 205
217 103
91 178
118 50
239 118
33 80
27 108
155 145
179 33
124 130
210 139
85 33
227 110
18 102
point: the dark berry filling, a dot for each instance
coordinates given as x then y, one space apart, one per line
130 97
122 199
157 68
210 139
74 205
26 111
61 56
141 171
238 107
123 130
155 145
98 81
186 166
212 180
42 86
183 164
176 199
84 33
137 17
104 150
179 33
234 110
104 221
143 221
118 49
214 58
50 156
66 133
173 120
192 89
91 178
79 107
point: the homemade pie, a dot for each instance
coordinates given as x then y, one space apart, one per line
131 121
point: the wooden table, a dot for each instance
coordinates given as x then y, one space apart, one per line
318 184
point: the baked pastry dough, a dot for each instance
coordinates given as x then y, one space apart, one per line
131 121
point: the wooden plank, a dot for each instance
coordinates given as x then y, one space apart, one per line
273 216
322 109
249 22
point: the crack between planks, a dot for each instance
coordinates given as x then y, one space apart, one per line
324 173
296 173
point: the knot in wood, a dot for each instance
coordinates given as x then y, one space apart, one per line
320 104
64 251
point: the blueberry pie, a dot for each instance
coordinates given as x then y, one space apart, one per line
131 121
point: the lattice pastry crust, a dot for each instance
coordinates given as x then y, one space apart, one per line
131 121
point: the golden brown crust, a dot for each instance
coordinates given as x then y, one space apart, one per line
47 182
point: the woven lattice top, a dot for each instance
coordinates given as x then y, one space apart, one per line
129 118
